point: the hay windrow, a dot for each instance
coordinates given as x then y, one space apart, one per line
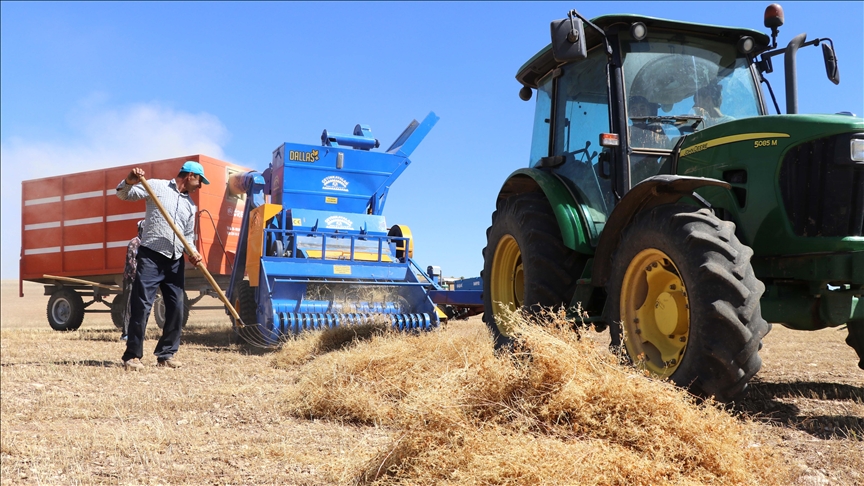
558 410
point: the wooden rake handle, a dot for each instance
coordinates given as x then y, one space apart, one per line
190 250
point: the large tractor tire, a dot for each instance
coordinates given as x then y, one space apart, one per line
526 265
65 310
856 339
159 309
685 294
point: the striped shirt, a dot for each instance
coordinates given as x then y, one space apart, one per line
158 235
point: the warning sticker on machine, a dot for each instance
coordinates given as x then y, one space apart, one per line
341 270
331 200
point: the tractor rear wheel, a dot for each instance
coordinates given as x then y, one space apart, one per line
526 265
65 310
687 299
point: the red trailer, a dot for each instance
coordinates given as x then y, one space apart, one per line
74 234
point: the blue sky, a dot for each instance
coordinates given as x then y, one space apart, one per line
100 84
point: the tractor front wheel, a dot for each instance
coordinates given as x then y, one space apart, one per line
687 299
526 265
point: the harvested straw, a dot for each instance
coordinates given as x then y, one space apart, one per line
558 410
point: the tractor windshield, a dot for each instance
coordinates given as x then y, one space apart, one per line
677 84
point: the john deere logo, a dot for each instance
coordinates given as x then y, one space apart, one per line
338 222
298 156
334 183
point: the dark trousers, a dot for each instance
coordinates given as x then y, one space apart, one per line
155 271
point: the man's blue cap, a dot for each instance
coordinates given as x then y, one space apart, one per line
194 168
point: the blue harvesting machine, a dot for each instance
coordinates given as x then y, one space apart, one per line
319 254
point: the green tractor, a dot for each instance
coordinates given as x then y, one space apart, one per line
664 201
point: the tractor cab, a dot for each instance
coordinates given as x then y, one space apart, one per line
648 82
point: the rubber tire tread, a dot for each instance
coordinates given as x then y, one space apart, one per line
76 315
726 324
855 339
248 306
118 309
550 269
252 333
160 320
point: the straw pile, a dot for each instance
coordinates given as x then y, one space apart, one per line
557 410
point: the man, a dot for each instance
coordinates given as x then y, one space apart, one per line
707 102
160 260
129 276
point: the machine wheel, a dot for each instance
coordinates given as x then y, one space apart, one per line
684 291
246 306
159 309
277 249
526 265
118 310
65 310
244 303
856 339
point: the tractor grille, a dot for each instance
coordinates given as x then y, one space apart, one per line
822 189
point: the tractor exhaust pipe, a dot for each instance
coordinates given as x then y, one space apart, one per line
790 64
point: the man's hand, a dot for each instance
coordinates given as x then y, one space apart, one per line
194 259
134 176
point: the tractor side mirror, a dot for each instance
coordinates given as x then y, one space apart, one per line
831 68
568 39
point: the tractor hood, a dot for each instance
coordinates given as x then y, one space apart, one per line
771 131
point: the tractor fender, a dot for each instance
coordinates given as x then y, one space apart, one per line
653 191
574 232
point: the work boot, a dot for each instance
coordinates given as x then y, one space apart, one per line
133 364
169 363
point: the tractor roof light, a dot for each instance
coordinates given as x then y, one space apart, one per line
746 44
856 147
773 20
638 31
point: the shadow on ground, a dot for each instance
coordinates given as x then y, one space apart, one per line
765 402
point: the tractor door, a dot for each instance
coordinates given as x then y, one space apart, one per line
579 114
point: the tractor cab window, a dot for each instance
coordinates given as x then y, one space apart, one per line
676 84
581 115
542 121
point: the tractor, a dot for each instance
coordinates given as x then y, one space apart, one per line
665 203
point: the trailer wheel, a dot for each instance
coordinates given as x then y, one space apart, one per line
65 310
526 265
118 310
159 309
684 291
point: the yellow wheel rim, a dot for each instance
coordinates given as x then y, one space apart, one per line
655 312
507 284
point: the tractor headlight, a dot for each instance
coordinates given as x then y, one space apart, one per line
857 148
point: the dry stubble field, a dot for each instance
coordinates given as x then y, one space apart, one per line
432 409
